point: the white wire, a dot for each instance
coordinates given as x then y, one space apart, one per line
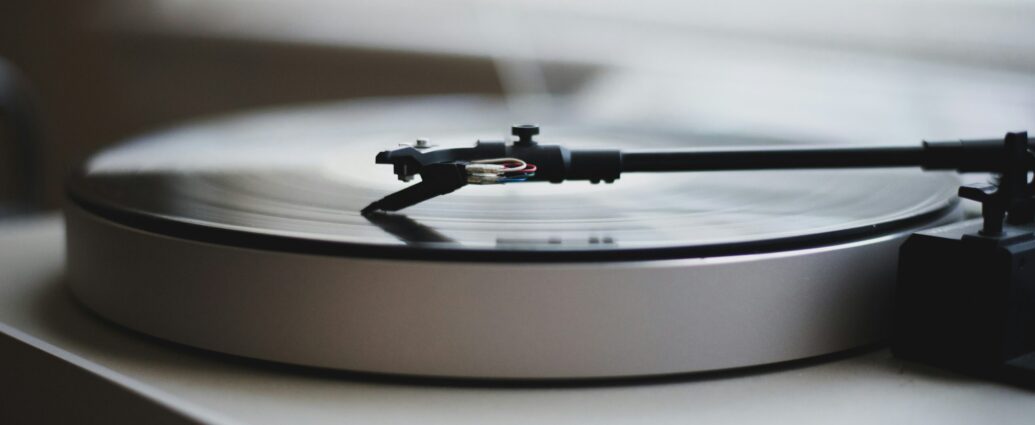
483 179
499 160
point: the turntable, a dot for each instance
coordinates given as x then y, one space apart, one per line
245 236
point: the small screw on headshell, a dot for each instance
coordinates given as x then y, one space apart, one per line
524 132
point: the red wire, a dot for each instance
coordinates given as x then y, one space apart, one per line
529 169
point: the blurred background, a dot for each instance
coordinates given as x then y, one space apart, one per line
80 75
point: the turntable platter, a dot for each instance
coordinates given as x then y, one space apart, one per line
243 235
297 180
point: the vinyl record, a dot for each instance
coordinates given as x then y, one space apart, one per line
297 181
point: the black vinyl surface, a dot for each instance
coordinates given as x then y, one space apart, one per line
295 180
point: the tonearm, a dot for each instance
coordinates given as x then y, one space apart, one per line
445 170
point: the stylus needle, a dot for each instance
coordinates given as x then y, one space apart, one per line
436 179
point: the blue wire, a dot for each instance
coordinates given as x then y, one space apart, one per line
516 179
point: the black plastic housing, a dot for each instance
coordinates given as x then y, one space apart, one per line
966 302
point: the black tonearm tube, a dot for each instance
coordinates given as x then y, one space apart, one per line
444 170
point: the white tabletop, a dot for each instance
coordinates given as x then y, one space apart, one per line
865 387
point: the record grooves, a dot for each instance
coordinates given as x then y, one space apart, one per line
418 237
